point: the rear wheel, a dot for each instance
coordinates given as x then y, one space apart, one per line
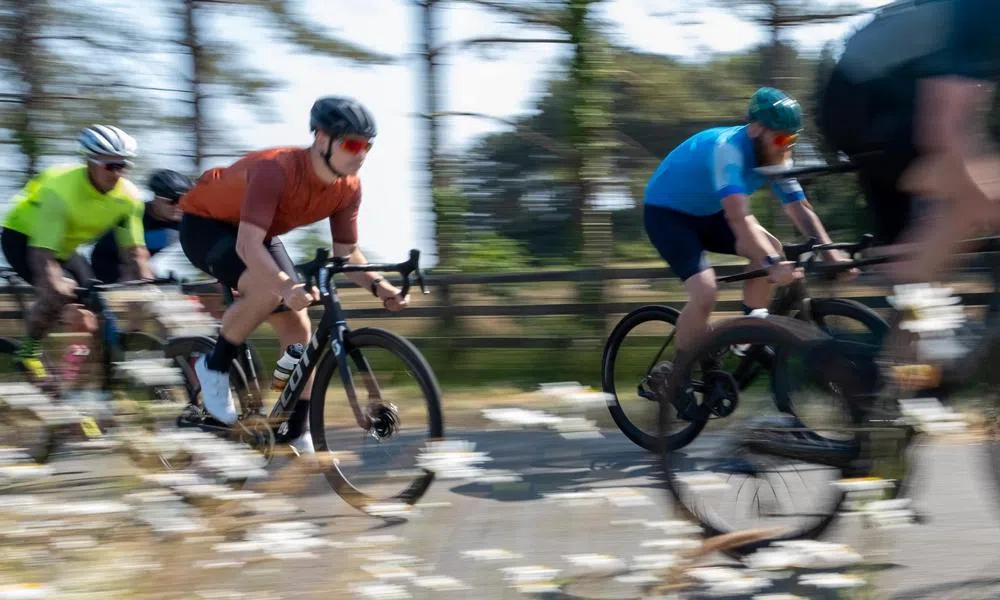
379 467
637 358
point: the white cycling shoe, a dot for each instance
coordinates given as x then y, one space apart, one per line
303 444
216 396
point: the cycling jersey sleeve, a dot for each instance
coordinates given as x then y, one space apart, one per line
727 171
344 221
50 221
788 191
265 182
129 233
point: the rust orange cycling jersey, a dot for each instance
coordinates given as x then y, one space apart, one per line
277 190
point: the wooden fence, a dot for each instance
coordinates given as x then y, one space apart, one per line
441 304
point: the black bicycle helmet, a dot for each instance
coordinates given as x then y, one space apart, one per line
338 115
169 184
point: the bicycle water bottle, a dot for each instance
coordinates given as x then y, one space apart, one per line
286 364
73 359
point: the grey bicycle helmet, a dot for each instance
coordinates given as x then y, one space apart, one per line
106 140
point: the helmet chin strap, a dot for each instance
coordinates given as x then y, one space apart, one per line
326 159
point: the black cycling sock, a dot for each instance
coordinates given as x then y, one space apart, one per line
746 309
223 355
297 422
31 347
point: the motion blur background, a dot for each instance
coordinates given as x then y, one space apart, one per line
514 136
515 140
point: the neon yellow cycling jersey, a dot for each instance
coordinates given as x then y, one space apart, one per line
59 209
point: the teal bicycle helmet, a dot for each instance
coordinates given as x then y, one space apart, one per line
773 109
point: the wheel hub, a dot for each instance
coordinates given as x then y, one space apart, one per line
384 421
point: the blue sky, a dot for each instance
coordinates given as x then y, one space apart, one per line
394 213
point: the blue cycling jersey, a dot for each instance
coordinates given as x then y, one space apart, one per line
707 167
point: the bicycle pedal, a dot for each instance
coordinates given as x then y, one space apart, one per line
90 427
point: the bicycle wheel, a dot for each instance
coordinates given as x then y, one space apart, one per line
396 385
842 319
698 477
20 426
626 372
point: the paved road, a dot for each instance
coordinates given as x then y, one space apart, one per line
599 496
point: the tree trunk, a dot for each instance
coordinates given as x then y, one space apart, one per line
29 21
197 119
588 132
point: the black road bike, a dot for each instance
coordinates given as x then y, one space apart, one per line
731 371
395 394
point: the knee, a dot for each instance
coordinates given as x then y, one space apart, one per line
702 297
78 318
299 325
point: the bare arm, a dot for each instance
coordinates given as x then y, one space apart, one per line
745 228
807 222
364 280
135 261
49 277
943 106
266 183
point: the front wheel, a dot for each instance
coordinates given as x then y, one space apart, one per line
392 383
20 425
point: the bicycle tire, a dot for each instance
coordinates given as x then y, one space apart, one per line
41 450
401 348
784 333
821 309
647 441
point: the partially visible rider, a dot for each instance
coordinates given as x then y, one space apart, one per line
908 101
698 201
233 217
60 209
161 220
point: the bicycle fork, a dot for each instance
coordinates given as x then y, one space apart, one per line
366 420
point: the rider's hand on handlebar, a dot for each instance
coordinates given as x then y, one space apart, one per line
391 299
836 256
783 273
296 296
65 288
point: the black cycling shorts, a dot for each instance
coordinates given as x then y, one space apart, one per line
875 129
15 249
210 245
682 239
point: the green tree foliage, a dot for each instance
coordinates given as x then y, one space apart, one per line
216 76
60 63
524 190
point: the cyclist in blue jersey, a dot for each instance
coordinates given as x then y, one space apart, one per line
698 200
161 219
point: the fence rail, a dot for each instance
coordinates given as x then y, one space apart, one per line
443 286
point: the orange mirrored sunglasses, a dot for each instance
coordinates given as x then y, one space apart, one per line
355 145
785 139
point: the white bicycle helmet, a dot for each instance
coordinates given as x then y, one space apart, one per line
106 140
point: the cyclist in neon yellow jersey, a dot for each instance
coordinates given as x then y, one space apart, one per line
61 209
